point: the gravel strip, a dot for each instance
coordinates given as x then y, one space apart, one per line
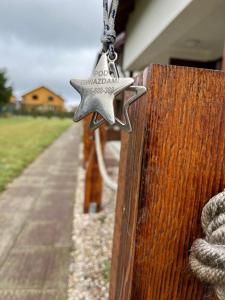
92 239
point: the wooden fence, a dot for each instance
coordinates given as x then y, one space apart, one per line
93 179
171 165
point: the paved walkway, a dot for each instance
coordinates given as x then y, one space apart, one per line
36 223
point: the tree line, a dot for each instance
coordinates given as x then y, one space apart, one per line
5 90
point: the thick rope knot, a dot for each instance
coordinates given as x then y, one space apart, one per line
109 37
207 258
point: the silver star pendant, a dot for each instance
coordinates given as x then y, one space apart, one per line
98 93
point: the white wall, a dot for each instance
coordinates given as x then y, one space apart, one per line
156 30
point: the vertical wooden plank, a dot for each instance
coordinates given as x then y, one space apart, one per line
93 179
88 139
127 199
93 183
119 214
223 60
175 162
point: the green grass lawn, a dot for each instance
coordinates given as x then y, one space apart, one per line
22 139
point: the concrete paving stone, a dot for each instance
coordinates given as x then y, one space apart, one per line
58 173
58 186
48 233
48 162
31 180
62 178
10 226
53 172
57 276
42 168
39 173
70 182
15 204
23 191
64 164
43 211
68 165
57 295
58 178
36 213
35 268
57 194
31 295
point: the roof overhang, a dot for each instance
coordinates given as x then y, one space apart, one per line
158 30
124 9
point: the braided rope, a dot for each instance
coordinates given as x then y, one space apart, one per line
109 36
207 258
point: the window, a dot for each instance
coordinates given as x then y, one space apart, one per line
35 97
50 98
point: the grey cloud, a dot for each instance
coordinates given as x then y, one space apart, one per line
52 23
32 67
48 42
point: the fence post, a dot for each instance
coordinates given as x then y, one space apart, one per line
223 59
172 164
93 179
88 140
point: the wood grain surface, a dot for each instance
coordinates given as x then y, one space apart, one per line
223 59
174 163
88 139
93 179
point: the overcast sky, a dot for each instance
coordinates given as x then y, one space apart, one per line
48 42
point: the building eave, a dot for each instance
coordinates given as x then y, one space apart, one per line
124 9
186 29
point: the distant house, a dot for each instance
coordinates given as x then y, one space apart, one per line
43 99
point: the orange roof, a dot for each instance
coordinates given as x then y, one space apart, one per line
43 87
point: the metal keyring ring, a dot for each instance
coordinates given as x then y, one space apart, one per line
115 57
